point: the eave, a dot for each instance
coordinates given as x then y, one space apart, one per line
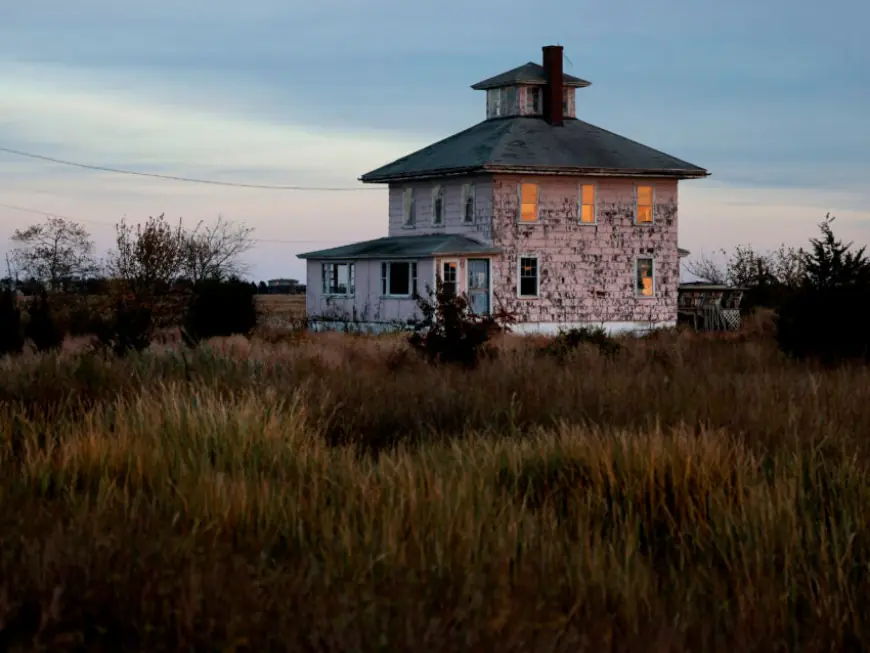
539 170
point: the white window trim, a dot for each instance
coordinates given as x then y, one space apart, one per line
351 278
439 270
652 209
580 186
637 292
436 189
409 208
537 259
469 188
520 202
414 280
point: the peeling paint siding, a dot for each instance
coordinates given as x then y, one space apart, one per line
481 229
586 271
367 304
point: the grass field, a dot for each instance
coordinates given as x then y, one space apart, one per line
333 493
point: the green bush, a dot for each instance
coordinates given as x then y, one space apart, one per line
450 332
220 308
11 338
43 329
130 329
825 319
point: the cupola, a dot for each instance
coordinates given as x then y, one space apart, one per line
533 90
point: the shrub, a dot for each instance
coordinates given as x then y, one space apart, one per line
11 339
220 308
43 328
828 324
825 318
568 341
450 332
130 329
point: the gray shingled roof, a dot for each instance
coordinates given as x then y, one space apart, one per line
531 144
404 247
530 73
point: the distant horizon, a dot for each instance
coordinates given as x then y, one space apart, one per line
768 98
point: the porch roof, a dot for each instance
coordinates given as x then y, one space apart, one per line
397 247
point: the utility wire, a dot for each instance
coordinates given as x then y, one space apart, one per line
108 224
177 178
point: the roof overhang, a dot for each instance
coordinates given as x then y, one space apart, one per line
401 257
538 170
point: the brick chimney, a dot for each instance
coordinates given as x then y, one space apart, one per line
553 90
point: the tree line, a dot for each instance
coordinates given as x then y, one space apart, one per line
158 274
59 254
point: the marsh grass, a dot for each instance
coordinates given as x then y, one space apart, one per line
333 492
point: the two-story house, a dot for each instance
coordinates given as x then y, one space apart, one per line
562 222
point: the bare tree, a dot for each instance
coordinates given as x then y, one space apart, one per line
214 252
705 267
149 257
54 251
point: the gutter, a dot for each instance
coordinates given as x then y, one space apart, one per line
534 170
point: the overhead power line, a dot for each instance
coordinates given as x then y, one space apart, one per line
155 175
47 214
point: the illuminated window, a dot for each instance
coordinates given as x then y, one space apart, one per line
587 204
528 277
645 284
528 202
449 278
644 210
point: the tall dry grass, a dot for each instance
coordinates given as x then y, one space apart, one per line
334 493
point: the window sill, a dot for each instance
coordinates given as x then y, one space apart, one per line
409 226
643 224
337 296
528 297
396 297
646 297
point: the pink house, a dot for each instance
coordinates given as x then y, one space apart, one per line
562 222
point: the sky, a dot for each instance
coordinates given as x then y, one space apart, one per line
771 96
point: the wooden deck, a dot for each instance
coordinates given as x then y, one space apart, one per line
709 307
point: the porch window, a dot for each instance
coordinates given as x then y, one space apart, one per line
438 205
468 203
587 204
338 278
645 284
644 211
528 277
398 279
528 196
409 208
449 278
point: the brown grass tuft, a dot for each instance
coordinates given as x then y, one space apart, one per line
333 492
